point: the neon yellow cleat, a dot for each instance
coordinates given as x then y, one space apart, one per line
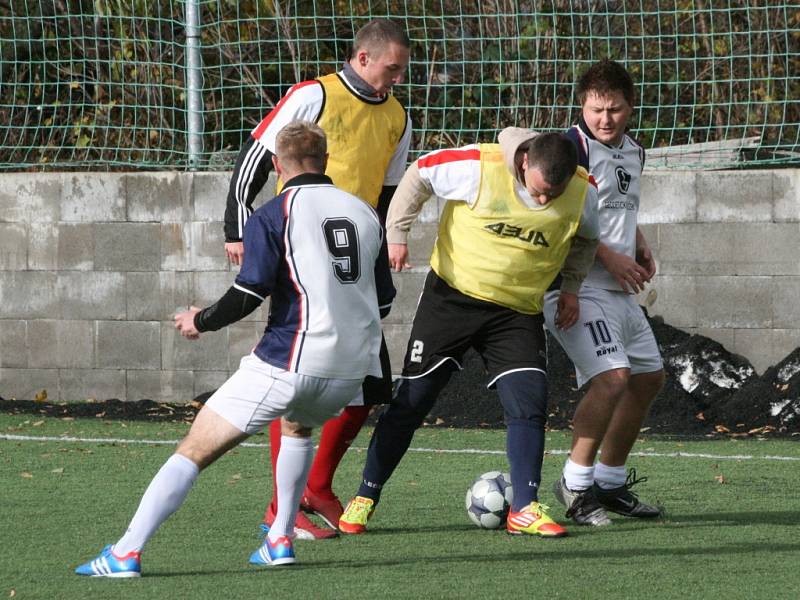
534 520
356 514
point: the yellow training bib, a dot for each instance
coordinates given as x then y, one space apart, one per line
362 138
500 250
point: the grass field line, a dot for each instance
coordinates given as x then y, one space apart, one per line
554 452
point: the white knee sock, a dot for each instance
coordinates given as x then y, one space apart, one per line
163 496
291 473
609 477
578 477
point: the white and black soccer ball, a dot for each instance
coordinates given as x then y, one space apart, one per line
489 500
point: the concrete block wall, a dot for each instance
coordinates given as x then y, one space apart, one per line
94 265
92 268
727 244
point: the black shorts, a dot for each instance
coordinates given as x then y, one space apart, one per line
447 323
378 390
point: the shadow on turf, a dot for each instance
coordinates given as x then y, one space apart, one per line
426 529
563 550
622 525
554 550
737 519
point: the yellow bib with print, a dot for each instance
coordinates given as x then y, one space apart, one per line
500 250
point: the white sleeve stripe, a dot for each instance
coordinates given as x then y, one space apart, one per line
246 291
241 186
251 161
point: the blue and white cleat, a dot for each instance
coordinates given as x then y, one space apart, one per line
279 552
107 564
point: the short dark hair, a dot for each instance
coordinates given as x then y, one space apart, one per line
302 142
603 77
376 35
554 155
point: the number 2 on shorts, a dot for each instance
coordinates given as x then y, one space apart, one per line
416 351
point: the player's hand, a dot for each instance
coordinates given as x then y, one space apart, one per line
235 252
398 257
184 322
567 311
644 258
630 275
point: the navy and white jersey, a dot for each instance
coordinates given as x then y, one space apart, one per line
319 253
618 173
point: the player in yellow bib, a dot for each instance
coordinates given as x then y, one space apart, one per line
519 215
489 267
369 134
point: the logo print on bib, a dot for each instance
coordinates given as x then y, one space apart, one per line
623 180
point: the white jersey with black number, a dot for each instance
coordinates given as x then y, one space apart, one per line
618 173
613 332
318 252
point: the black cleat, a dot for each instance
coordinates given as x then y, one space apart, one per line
582 506
624 502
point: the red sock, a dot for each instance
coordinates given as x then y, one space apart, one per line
274 448
337 435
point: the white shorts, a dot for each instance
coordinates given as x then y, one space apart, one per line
612 332
258 393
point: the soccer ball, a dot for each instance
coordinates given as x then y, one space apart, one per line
489 500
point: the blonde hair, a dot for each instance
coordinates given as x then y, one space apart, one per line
302 143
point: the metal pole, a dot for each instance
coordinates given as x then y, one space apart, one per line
194 84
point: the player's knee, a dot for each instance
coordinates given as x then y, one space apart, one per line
209 438
294 429
523 395
414 396
420 393
413 400
611 384
197 453
401 417
406 412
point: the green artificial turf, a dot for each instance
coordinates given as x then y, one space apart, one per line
732 529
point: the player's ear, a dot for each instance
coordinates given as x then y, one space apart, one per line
276 164
325 162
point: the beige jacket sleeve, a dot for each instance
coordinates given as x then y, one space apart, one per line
411 194
577 264
584 246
